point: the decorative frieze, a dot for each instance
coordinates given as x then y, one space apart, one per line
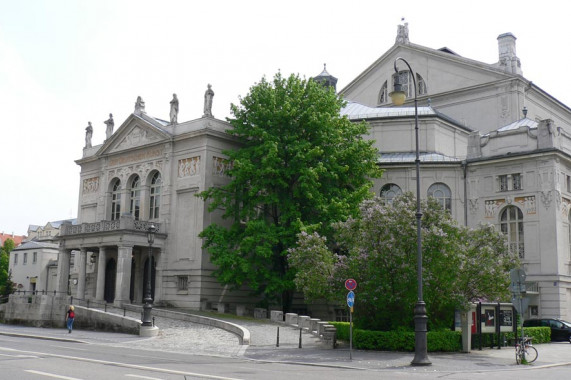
220 166
90 185
188 167
142 155
527 204
492 207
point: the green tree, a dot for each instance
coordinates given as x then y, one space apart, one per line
6 286
299 166
378 249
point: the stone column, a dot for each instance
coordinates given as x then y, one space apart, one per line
101 266
123 281
64 256
82 263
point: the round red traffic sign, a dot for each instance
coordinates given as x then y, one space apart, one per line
350 284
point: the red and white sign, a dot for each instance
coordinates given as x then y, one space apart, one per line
351 284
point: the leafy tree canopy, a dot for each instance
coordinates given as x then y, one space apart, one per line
5 278
378 250
299 166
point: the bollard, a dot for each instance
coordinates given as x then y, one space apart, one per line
300 338
278 339
153 321
106 306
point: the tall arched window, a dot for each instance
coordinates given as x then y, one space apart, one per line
442 194
383 94
136 198
408 84
511 224
155 196
116 200
389 192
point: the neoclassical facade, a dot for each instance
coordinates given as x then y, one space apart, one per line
494 148
147 171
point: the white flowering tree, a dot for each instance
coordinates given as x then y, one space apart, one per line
378 250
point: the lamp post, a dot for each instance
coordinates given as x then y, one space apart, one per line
398 97
148 306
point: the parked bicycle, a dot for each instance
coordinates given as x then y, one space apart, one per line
524 351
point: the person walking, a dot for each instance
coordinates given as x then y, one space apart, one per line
69 317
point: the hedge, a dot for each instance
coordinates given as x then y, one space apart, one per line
400 340
445 340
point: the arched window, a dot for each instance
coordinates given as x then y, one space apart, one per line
136 198
511 224
155 196
389 192
421 85
116 200
383 94
408 84
442 194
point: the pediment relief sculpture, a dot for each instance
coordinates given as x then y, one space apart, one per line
136 137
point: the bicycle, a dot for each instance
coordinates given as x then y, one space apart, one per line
524 351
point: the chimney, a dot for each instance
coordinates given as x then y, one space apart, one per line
509 62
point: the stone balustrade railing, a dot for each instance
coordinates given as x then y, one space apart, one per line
124 223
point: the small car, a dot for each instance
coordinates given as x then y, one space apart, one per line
560 330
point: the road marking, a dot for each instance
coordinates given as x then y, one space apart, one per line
124 365
142 377
21 356
52 375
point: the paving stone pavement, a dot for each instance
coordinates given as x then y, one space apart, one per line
192 338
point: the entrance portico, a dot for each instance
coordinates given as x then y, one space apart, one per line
119 251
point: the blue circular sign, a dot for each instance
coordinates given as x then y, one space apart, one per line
350 299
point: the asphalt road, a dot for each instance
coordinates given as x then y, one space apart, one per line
30 359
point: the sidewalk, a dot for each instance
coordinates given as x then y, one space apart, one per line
179 336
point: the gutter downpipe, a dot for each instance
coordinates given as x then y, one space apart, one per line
464 169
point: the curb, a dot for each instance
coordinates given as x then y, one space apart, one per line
43 337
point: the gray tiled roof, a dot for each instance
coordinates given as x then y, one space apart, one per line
35 245
356 111
525 122
409 157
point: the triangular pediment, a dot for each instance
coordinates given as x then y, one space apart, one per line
441 71
134 133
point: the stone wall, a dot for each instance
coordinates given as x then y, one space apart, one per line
50 311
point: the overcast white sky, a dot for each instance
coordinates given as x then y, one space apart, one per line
64 63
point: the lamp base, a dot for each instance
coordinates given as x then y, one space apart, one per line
420 339
148 331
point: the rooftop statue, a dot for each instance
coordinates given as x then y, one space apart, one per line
208 95
110 124
139 106
174 110
88 135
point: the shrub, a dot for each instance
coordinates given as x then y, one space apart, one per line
398 340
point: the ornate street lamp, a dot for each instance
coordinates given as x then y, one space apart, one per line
398 97
148 306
